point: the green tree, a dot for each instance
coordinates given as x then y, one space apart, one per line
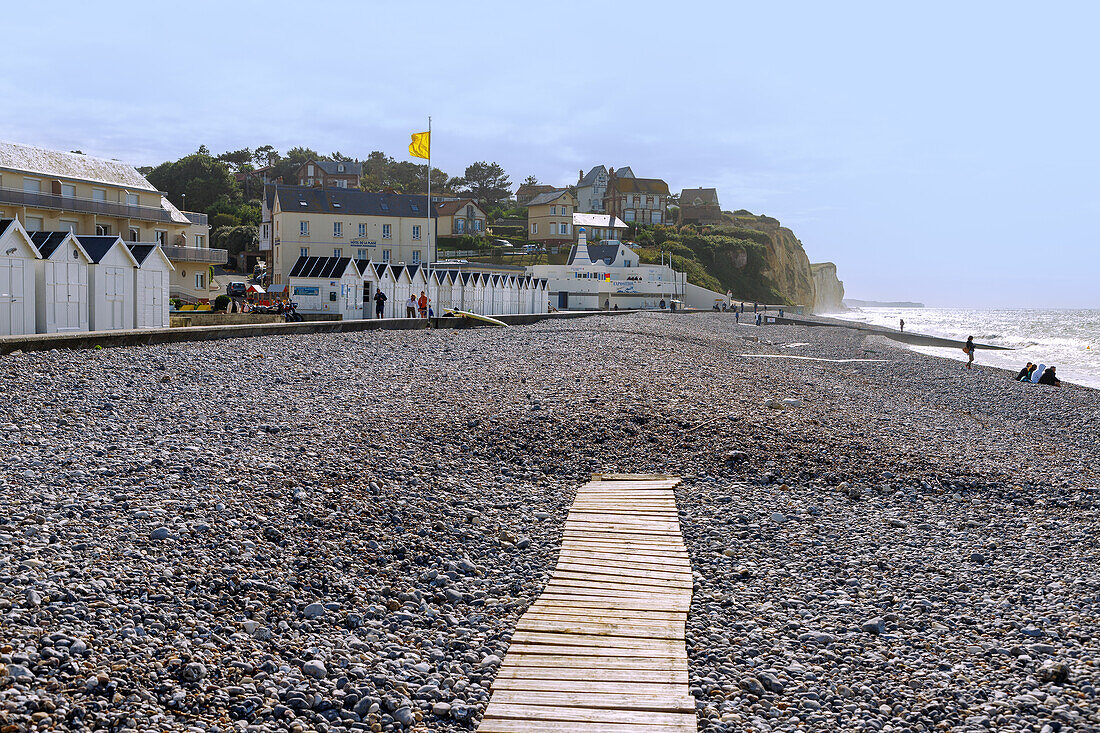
263 154
287 167
486 183
530 181
236 239
203 179
236 159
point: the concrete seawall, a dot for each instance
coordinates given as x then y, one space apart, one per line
145 337
905 337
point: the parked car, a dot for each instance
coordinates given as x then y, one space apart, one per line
501 243
236 289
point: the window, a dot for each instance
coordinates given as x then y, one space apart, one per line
303 228
626 263
564 228
135 234
68 190
200 240
32 185
628 215
131 199
265 235
416 257
416 231
99 194
33 223
553 211
309 170
200 280
534 227
337 252
460 226
385 231
337 228
103 230
656 217
361 254
70 224
340 168
362 230
303 252
478 225
385 255
341 183
564 210
161 236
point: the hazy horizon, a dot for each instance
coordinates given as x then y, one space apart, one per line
941 154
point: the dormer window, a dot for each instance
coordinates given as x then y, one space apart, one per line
340 168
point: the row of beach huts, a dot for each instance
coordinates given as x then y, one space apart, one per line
56 282
347 287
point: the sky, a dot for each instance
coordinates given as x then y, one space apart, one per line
940 152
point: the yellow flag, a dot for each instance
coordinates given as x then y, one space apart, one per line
421 145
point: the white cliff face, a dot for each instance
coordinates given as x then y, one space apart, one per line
828 290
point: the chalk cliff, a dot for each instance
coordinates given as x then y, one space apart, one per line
786 263
828 290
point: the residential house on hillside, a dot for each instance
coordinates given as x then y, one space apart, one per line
51 190
642 200
550 217
338 222
700 206
591 188
458 217
330 174
599 226
528 191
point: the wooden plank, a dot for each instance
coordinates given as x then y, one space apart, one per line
553 712
584 650
602 686
630 674
602 649
665 664
681 703
508 725
637 642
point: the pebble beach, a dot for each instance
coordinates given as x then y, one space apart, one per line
338 532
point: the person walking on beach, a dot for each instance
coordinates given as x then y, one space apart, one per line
380 304
969 349
422 304
1025 373
410 307
1049 377
903 325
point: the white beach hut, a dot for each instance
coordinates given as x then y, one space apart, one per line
60 283
386 283
151 282
17 279
110 282
444 281
327 285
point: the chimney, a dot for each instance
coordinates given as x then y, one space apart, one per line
580 176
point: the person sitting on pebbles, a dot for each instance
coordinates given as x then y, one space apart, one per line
1049 377
1025 373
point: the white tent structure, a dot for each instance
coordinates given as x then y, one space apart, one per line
60 283
110 282
17 279
151 283
328 285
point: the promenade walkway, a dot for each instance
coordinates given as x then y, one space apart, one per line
602 649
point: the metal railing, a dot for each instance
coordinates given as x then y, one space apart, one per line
196 254
39 200
195 217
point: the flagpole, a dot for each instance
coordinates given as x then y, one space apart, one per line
428 211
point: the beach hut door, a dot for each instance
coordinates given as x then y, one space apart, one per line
12 297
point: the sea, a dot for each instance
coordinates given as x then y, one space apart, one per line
1067 339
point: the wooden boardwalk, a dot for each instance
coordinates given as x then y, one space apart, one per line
602 649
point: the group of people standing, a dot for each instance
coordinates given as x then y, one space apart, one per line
414 307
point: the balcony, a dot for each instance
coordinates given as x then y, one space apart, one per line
196 254
38 200
195 217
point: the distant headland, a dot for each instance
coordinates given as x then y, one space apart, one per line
852 303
